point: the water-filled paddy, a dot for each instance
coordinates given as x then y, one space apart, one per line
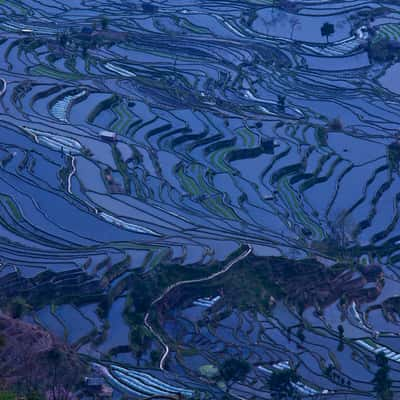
237 124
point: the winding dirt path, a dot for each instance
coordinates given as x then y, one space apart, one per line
181 283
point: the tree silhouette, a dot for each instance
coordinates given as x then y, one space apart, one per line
55 357
104 22
280 384
233 369
382 381
341 337
327 29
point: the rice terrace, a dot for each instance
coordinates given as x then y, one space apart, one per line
199 199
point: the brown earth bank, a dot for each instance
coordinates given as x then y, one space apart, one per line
33 360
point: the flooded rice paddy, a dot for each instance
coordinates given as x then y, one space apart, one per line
238 125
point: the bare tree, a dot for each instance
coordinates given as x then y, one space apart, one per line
341 227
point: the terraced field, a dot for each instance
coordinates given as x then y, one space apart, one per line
239 129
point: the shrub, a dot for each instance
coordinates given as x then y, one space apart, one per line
234 369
